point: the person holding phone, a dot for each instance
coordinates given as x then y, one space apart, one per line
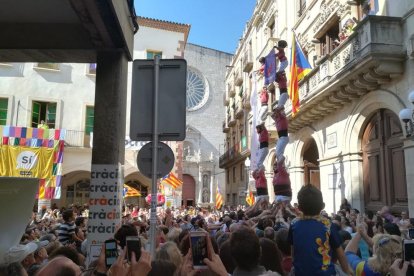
386 249
137 267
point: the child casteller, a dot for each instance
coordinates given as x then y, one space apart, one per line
280 73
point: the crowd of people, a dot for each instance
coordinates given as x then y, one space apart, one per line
264 239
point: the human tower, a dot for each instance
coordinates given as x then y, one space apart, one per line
281 180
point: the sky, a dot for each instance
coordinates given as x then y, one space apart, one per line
216 24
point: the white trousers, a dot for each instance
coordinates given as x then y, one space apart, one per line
261 156
282 99
280 146
262 114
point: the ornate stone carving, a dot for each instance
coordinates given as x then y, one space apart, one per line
346 56
356 44
326 11
337 62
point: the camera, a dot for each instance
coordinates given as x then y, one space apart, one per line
111 252
408 249
133 244
411 233
199 249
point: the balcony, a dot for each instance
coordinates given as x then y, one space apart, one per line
231 119
226 99
230 156
225 127
77 139
239 112
231 90
238 77
248 61
371 56
246 100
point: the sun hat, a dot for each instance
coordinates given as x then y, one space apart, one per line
17 253
41 244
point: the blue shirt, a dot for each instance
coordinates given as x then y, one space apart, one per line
313 243
359 266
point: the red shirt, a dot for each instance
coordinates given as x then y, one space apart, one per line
264 97
260 178
281 55
263 135
281 122
282 176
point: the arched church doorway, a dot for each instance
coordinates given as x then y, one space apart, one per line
383 162
188 196
311 164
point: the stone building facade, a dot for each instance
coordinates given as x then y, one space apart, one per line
347 138
204 136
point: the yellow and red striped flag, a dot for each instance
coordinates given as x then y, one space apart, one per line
172 180
219 198
299 68
130 192
250 197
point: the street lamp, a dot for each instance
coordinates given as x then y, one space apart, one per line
407 116
247 163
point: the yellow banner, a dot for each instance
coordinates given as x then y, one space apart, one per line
22 161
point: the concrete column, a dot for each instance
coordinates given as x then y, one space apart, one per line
212 190
199 187
409 172
108 151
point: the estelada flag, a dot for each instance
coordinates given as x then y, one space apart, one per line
130 192
299 68
172 180
219 198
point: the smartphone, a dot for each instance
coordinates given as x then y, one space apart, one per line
199 249
133 244
408 248
411 233
111 252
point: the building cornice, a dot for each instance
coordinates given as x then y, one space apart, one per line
165 25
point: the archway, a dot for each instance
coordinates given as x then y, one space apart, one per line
311 164
134 180
188 195
383 162
75 188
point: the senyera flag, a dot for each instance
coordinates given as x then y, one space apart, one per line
172 180
250 198
219 198
299 68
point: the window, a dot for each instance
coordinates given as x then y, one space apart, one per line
91 70
228 177
152 54
367 7
302 6
197 91
4 102
329 39
44 111
241 172
234 174
48 66
89 116
271 27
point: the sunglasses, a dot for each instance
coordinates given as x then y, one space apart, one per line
386 240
